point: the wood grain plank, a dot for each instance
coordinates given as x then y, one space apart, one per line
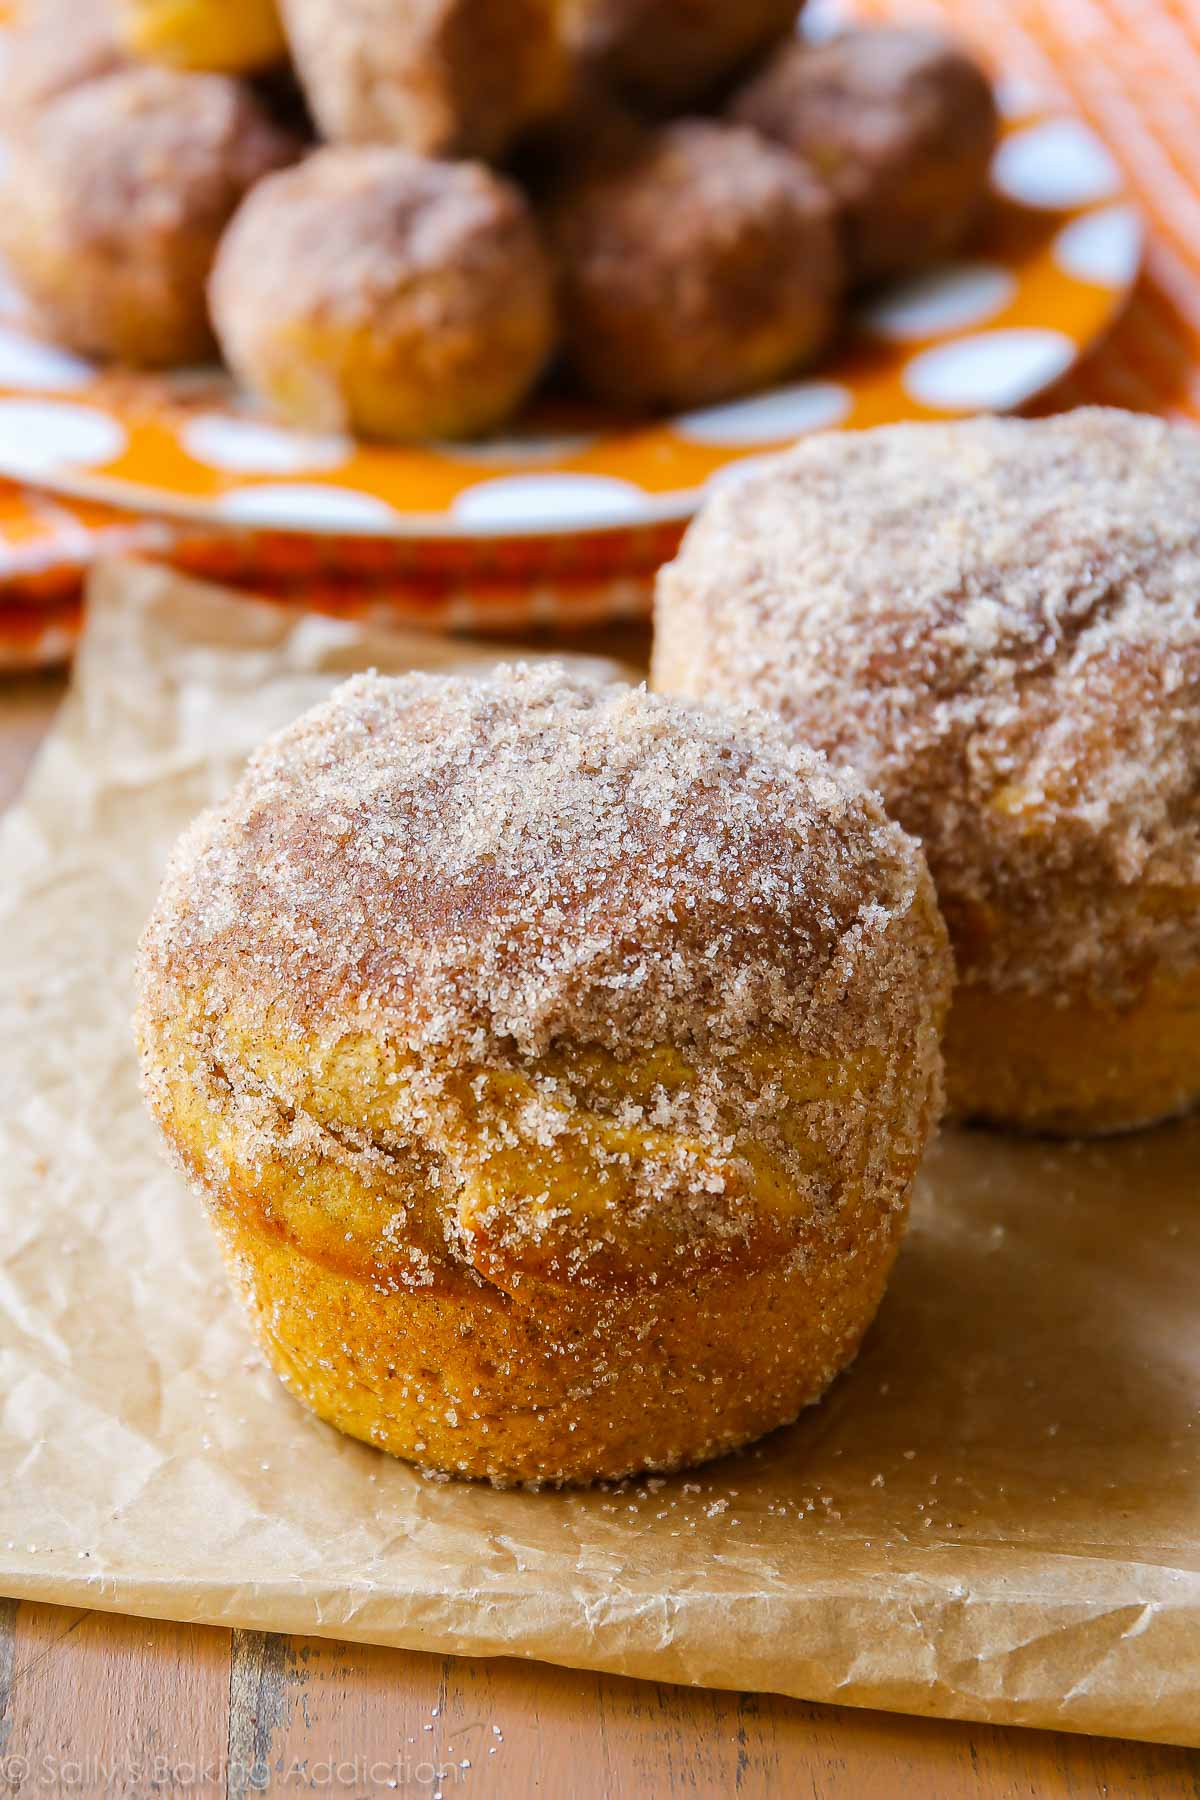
8 1620
352 1716
260 1702
100 1703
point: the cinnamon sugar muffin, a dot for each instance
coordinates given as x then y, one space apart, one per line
668 54
997 624
374 291
900 124
698 264
115 196
230 37
554 1060
445 77
56 45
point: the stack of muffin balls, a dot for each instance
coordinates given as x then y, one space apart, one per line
556 1058
393 219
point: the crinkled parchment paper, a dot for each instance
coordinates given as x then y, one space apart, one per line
995 1515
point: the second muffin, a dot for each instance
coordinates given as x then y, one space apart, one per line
997 623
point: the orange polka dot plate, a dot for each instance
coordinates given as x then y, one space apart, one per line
1046 278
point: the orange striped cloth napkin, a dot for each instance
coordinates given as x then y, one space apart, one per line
1131 67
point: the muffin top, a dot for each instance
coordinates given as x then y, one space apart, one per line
683 197
668 53
478 867
860 104
150 150
356 229
996 623
53 46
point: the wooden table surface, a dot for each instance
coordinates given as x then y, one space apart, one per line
92 1703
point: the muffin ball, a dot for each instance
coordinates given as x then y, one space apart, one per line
56 45
447 77
702 265
667 54
115 197
374 291
997 623
900 124
554 1061
231 37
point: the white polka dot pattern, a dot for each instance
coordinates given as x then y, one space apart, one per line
26 362
988 372
42 437
306 506
250 447
1104 247
947 299
529 502
1056 164
775 417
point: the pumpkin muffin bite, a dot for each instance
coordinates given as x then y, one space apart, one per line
116 194
697 262
445 77
899 124
374 291
666 55
55 45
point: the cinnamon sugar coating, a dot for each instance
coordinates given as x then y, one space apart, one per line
56 45
115 197
441 77
698 261
997 623
669 54
560 1020
373 290
900 124
482 866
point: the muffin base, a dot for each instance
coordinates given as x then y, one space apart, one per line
560 1386
1080 1069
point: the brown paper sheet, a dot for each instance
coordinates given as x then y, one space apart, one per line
995 1515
